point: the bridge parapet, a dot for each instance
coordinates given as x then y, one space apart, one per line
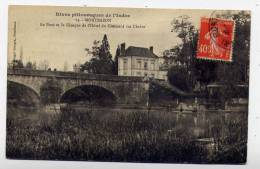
127 90
73 75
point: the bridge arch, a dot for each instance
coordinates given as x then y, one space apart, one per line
18 93
92 94
127 90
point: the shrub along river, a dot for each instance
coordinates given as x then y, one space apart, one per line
155 134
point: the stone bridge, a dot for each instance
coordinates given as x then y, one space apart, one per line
126 90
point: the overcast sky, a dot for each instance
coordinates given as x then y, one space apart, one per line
67 44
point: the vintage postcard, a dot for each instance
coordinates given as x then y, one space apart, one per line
128 84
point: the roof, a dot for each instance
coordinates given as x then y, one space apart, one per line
139 51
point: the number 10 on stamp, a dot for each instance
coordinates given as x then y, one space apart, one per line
215 39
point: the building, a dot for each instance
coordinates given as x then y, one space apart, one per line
170 57
139 61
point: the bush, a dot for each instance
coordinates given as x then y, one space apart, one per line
179 78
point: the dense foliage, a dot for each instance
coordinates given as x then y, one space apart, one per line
178 77
205 72
101 61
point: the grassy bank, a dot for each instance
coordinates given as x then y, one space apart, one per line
125 137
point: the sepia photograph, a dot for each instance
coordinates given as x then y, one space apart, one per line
128 84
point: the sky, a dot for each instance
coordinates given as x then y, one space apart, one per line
60 44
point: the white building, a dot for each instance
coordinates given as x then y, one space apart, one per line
139 61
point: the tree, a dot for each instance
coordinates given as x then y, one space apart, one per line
116 60
186 52
18 64
205 72
179 77
101 61
229 75
241 45
188 34
184 28
29 65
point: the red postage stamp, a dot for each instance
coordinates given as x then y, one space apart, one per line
215 39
